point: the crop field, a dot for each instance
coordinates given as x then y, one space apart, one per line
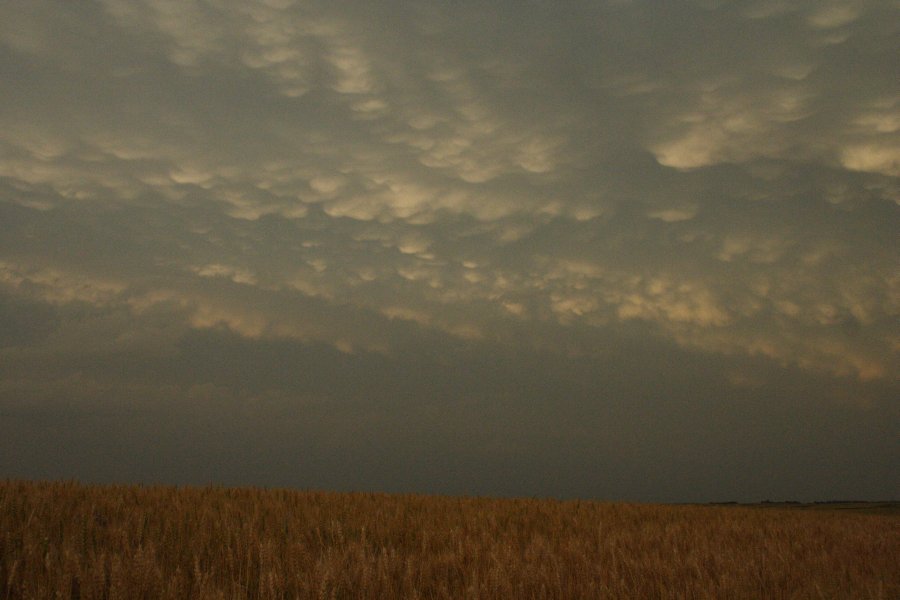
67 540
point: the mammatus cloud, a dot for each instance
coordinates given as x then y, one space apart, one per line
433 157
718 178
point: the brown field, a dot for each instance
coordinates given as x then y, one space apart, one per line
65 540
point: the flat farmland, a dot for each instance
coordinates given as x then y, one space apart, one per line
68 540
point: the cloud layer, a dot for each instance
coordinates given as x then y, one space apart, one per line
560 192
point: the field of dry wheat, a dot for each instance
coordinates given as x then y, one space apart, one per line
65 540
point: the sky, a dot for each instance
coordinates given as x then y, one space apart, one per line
611 249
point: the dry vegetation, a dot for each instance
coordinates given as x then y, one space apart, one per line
64 540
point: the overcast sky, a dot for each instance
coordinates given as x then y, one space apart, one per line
613 249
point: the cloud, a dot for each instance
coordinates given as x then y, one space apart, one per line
719 179
873 158
834 14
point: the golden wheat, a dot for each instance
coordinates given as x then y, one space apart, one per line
65 540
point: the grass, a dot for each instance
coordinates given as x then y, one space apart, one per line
66 540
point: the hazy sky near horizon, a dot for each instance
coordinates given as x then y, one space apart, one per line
614 249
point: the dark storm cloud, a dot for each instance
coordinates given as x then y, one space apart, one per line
523 242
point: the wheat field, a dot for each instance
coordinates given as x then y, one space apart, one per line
67 540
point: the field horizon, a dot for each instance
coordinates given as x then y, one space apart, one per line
73 540
840 503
